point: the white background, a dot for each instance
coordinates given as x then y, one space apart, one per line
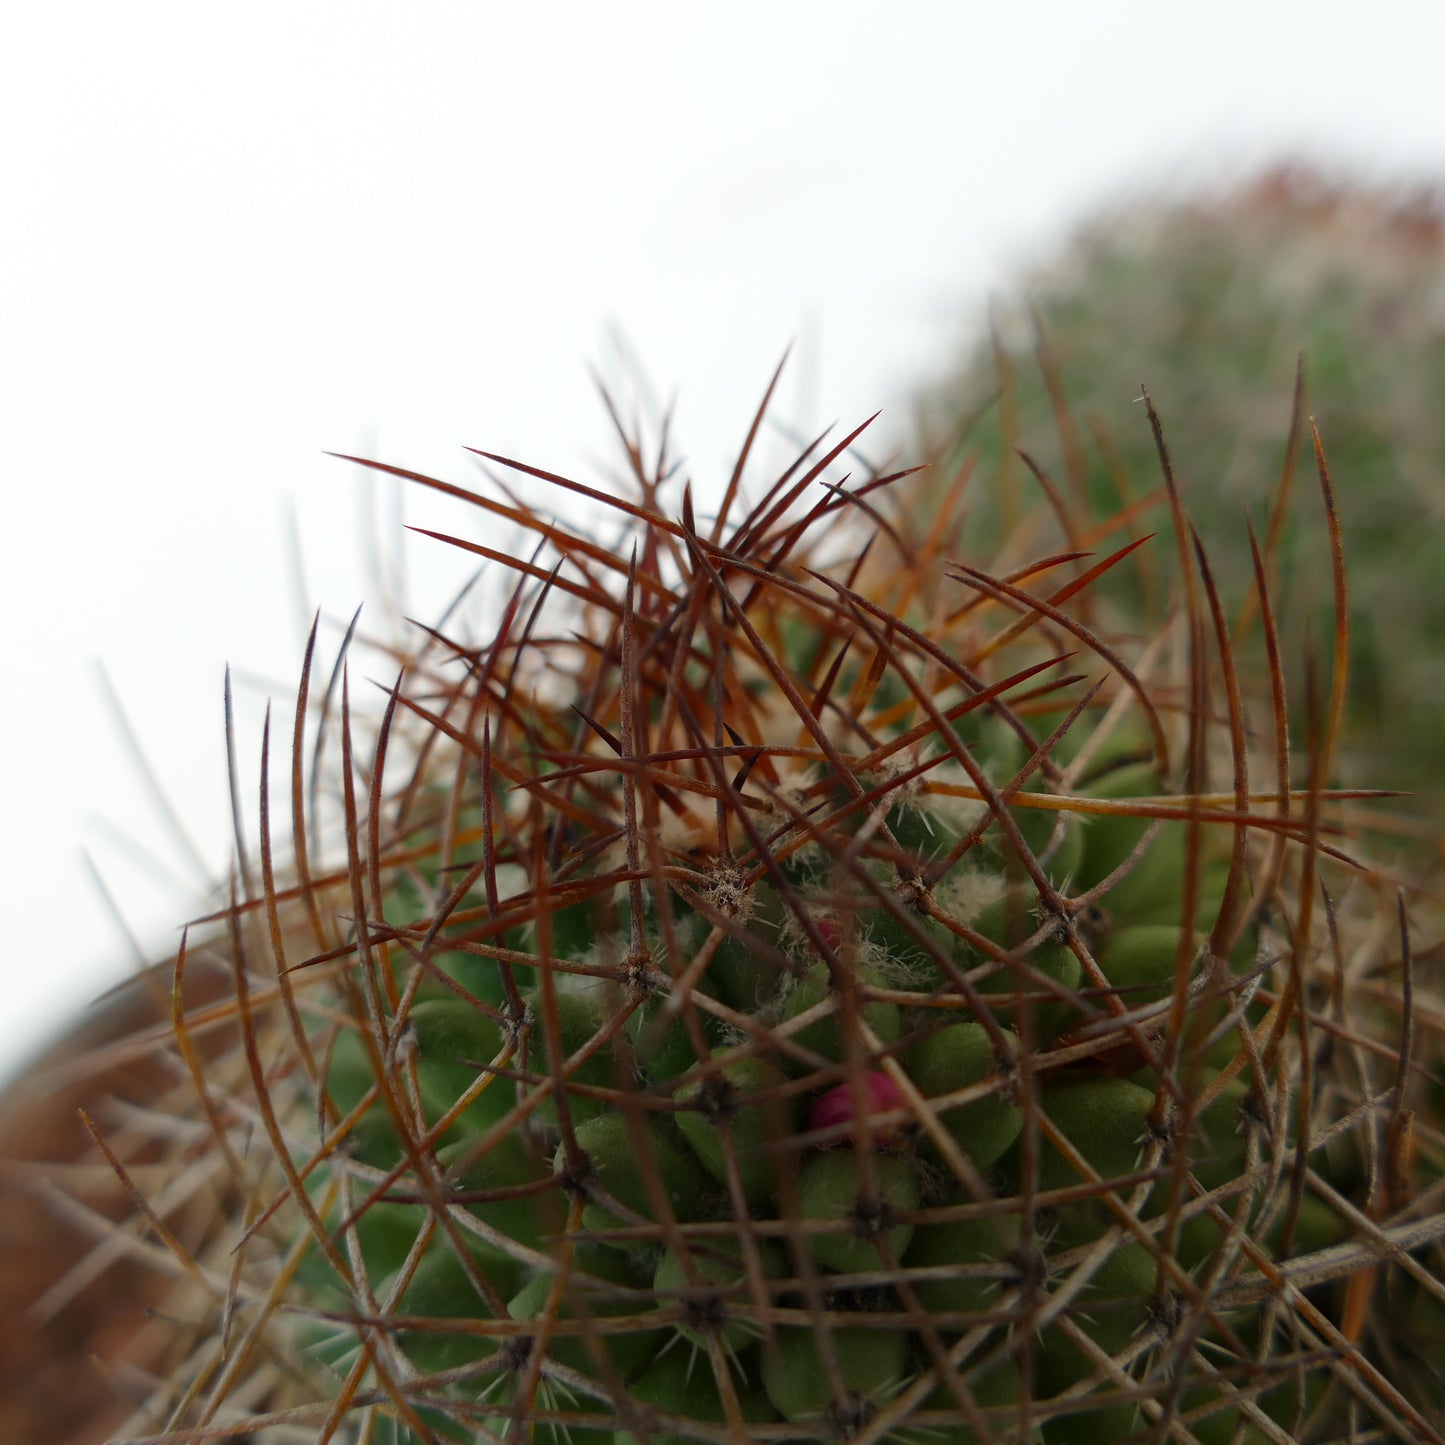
236 236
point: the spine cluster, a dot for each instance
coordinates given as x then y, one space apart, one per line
792 980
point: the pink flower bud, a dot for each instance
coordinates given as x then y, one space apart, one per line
836 1106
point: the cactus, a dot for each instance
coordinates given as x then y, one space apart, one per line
729 1010
1211 301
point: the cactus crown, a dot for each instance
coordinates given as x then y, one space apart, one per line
791 981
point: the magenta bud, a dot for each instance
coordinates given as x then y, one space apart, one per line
836 1106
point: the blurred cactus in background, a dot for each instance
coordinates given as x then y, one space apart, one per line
1210 303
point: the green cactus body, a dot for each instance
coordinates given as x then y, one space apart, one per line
696 1044
808 1388
750 1127
949 1061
